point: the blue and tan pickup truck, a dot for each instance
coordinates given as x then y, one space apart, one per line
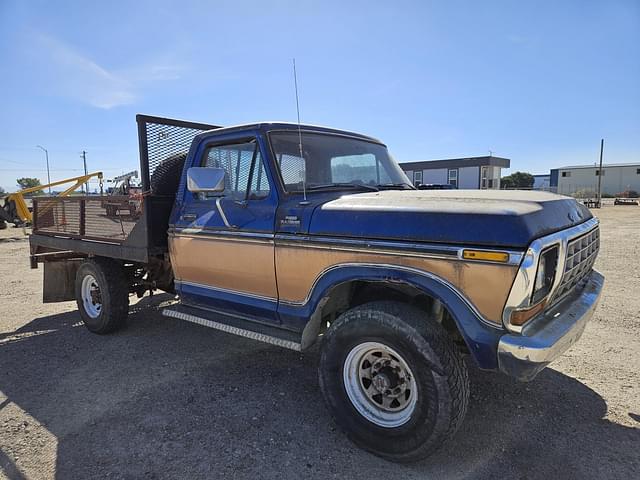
299 235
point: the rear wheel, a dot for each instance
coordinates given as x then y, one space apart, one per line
102 295
393 380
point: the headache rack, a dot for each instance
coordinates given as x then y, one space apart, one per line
128 227
162 138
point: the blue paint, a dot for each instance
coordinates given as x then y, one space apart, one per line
481 339
252 308
437 217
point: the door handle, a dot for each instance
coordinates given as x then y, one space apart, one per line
188 216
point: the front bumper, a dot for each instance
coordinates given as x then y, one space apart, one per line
523 355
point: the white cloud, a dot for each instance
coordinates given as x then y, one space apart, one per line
75 75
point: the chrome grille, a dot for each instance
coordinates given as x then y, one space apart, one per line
581 255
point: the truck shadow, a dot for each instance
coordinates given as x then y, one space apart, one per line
166 399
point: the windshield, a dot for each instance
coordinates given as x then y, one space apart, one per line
334 162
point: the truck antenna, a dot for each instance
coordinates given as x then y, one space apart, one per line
304 175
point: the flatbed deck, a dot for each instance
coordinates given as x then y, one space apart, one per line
125 227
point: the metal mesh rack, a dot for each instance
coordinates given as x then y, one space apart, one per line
163 138
103 218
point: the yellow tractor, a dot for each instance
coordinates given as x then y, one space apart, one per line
14 208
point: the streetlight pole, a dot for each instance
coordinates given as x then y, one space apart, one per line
46 154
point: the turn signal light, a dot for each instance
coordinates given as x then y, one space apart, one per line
520 317
501 257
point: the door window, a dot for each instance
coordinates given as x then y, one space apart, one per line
245 176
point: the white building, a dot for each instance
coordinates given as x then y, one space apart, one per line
582 180
542 182
471 173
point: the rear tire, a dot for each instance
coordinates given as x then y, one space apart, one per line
393 380
102 295
166 177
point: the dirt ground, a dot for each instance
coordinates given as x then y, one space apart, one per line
169 399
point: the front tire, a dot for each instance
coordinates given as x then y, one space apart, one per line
102 295
393 380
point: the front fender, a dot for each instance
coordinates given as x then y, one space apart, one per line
481 338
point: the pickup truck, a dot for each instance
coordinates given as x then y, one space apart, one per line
299 235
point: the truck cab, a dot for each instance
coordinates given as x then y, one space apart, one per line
299 235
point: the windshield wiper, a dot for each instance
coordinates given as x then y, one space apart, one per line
337 186
395 185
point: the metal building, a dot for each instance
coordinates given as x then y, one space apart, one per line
582 180
469 173
542 182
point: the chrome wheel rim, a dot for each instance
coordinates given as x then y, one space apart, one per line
91 297
380 384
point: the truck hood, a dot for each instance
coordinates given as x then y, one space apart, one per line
473 217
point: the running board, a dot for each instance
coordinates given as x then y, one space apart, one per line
197 315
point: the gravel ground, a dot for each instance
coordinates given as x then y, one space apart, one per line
167 399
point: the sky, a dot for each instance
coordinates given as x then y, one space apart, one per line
537 82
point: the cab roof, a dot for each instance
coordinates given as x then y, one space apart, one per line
265 127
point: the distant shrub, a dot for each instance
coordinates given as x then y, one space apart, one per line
628 194
584 193
608 195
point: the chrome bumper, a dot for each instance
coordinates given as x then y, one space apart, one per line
523 355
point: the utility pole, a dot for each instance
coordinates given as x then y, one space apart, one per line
85 187
600 173
46 154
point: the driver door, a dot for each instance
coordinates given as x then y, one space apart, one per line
223 246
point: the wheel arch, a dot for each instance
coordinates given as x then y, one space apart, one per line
480 338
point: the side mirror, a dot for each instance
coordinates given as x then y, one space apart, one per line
205 179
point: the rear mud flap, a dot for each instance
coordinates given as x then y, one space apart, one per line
59 281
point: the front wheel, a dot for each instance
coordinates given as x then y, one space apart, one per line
393 380
102 295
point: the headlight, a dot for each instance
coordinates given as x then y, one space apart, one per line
544 278
545 274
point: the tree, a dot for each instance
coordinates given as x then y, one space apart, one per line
517 180
2 191
28 182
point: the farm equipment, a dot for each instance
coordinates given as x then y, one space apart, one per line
113 204
14 208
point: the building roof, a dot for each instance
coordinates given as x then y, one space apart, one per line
488 160
595 165
540 175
